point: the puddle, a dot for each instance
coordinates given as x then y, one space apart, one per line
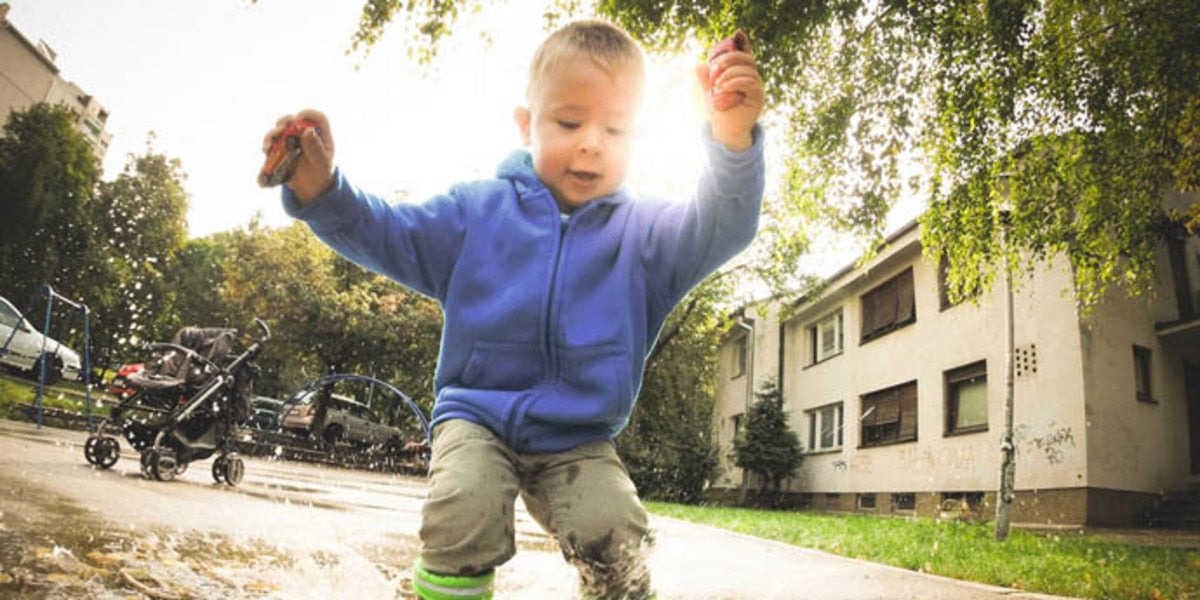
53 549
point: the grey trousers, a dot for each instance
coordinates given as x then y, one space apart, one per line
583 497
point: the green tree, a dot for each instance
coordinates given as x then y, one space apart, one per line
668 446
48 175
768 447
1092 107
137 226
326 315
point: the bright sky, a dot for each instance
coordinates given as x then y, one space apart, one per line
210 77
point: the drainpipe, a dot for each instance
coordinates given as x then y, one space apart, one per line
747 325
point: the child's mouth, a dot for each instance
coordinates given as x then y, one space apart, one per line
584 176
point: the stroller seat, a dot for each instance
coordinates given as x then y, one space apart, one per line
171 368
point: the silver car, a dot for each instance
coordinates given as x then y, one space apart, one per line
22 347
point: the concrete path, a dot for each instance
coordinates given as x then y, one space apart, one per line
352 534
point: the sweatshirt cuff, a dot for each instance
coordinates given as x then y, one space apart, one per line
733 170
321 213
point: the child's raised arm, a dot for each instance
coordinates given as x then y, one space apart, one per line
313 173
734 93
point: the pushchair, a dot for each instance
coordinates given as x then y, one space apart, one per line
186 405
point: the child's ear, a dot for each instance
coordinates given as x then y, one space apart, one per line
522 116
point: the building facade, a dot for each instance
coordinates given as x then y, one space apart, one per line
898 396
28 75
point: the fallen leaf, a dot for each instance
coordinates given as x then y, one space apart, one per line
101 559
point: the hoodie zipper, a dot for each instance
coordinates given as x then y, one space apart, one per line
549 354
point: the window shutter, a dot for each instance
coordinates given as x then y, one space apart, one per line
905 304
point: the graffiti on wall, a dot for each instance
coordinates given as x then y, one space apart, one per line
1053 445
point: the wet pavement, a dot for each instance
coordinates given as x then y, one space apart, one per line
293 530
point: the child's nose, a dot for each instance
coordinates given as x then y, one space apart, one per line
592 140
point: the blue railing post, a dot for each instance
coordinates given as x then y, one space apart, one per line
49 294
87 365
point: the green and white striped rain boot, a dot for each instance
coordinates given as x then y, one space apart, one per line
432 586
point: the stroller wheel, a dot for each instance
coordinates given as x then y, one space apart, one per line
101 451
181 468
235 472
228 469
160 462
220 467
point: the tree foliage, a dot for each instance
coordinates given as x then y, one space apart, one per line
48 176
137 226
1093 108
668 446
327 315
767 446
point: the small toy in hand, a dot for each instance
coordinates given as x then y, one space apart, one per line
284 152
739 42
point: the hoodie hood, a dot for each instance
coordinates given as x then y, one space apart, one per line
518 168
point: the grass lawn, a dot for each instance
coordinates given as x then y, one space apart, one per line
15 391
1067 564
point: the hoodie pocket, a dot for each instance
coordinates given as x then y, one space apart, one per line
593 388
503 366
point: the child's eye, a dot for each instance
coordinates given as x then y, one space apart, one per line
616 131
568 124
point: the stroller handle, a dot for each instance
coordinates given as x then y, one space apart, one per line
266 330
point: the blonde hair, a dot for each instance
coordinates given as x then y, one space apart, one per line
610 48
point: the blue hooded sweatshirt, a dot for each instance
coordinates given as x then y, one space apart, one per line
548 320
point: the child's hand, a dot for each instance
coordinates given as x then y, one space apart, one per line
734 96
314 169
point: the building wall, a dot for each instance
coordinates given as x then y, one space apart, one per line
1087 450
1136 446
1048 421
734 390
28 75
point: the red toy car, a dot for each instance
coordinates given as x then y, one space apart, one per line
738 42
119 386
285 150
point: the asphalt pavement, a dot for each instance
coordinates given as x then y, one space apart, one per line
304 531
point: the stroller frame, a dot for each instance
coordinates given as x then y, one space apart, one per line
168 436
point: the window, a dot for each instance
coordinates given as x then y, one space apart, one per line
888 307
904 501
966 399
962 503
825 338
866 502
825 427
944 287
740 350
737 425
8 316
889 416
1141 374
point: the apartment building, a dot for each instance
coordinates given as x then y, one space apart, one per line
28 75
898 396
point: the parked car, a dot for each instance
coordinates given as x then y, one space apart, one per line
119 386
345 420
265 415
21 348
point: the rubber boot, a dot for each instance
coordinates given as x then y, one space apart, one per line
434 586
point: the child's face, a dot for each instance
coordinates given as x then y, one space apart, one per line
579 128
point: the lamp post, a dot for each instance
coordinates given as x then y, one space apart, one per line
749 329
1008 450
